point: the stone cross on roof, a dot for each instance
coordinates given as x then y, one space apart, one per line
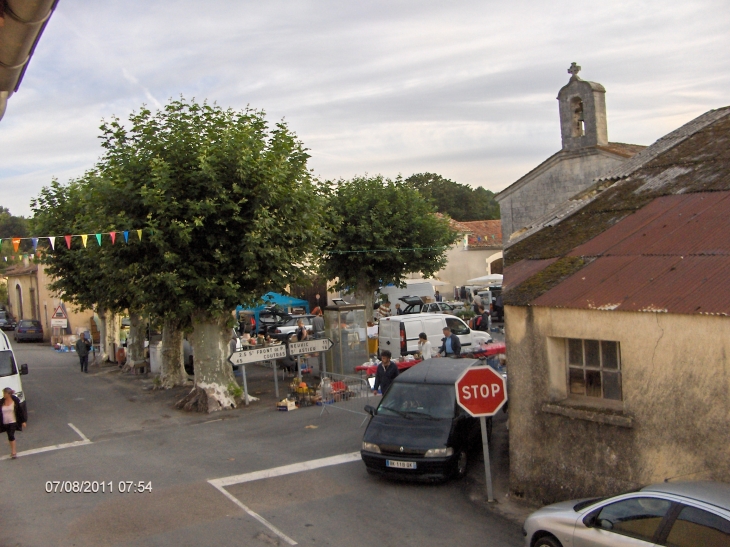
574 70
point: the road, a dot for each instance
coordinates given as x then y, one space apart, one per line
295 479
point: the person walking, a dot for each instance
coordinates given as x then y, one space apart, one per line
12 418
385 374
83 346
317 323
424 346
451 346
301 331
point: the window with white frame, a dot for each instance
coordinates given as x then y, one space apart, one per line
594 369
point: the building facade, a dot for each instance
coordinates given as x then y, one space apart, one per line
617 327
586 155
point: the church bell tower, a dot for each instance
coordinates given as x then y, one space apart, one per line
582 112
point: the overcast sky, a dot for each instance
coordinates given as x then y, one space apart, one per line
465 89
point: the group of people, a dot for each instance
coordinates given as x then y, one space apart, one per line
387 369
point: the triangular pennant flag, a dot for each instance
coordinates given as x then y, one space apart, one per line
12 257
1 241
139 234
113 236
16 243
84 237
35 243
98 239
52 241
68 241
126 236
6 258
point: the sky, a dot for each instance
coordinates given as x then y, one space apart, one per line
466 89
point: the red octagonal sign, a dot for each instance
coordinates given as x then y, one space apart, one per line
481 391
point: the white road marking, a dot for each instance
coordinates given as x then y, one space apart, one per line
55 446
254 514
76 429
220 484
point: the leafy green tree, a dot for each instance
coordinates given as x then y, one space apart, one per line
380 230
231 213
13 226
459 201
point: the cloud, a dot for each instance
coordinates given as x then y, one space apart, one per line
464 89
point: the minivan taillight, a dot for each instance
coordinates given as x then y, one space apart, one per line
403 346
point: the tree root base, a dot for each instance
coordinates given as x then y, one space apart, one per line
195 401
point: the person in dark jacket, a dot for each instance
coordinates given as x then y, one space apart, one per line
481 321
451 346
386 373
83 346
12 418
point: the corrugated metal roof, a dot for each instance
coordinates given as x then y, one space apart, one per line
515 274
671 256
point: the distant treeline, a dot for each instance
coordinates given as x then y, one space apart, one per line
459 201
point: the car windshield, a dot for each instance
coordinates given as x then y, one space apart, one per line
430 401
7 363
29 323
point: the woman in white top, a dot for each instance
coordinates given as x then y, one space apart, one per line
12 417
424 346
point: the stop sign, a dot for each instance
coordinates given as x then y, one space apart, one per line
481 391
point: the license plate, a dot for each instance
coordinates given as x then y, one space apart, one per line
399 464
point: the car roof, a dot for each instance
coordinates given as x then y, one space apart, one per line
436 371
411 316
713 493
4 342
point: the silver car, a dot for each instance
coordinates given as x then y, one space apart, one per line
682 514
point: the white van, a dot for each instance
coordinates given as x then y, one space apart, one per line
9 371
399 333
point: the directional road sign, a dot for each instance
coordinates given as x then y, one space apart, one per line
268 353
309 346
481 391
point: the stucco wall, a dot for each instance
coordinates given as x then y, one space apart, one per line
462 265
45 302
675 416
552 187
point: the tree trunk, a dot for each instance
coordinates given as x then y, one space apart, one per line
213 371
172 372
111 335
103 352
135 341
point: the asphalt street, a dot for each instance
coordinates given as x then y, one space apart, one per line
296 477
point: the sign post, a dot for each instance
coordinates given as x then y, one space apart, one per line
242 357
308 346
482 391
59 318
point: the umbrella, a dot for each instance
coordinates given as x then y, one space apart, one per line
492 278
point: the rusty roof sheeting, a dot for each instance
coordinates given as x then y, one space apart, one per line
523 270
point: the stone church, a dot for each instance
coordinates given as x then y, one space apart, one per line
586 155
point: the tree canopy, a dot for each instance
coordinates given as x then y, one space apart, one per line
380 231
459 201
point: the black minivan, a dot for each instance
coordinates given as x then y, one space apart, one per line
418 431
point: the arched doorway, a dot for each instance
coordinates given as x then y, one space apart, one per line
19 295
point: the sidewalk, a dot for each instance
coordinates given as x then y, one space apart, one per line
504 504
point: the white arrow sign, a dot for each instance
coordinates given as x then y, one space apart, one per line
259 354
309 346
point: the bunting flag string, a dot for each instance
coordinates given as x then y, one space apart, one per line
99 236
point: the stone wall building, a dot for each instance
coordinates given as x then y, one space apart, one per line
618 327
586 155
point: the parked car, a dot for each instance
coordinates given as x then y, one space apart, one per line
284 331
10 373
272 318
414 304
418 432
28 330
681 514
399 333
6 321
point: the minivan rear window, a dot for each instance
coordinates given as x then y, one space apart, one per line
7 364
30 323
419 401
